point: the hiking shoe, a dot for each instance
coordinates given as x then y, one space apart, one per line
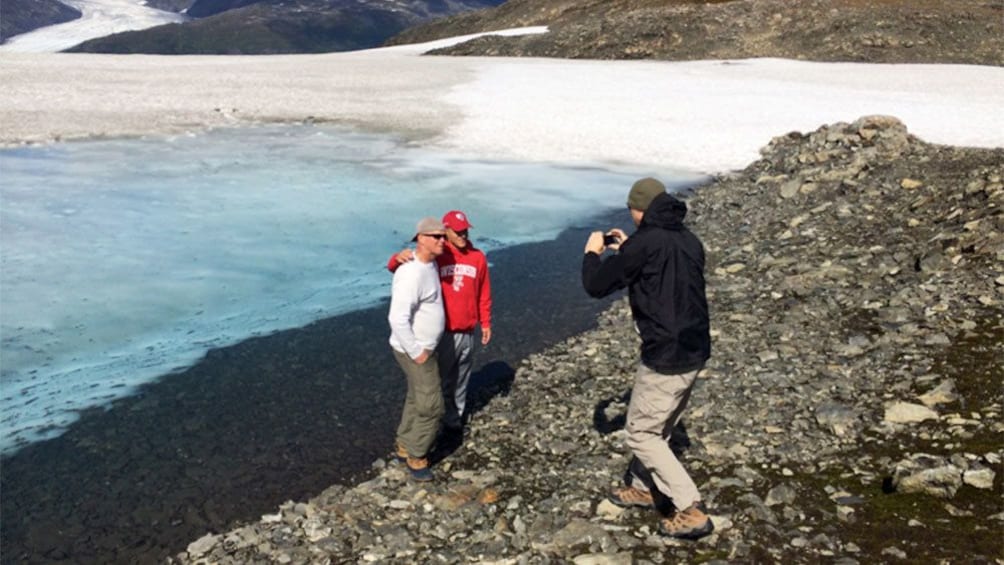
692 523
626 497
452 425
419 469
400 453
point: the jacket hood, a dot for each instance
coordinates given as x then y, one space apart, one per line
665 212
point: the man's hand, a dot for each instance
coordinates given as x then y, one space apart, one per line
405 255
595 243
621 238
423 357
486 335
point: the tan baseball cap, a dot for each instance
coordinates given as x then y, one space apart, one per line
428 225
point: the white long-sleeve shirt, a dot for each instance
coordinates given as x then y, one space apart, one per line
416 308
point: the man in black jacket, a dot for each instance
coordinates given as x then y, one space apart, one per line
662 266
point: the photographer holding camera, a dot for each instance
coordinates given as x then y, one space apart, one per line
662 266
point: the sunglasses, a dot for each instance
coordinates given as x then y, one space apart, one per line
435 235
462 233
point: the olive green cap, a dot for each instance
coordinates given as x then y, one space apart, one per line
644 192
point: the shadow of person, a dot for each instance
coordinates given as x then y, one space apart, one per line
491 380
448 441
608 419
679 442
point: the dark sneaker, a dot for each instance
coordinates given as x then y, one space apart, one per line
452 425
626 497
419 469
400 453
692 523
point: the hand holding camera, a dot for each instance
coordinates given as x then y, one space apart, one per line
598 241
614 238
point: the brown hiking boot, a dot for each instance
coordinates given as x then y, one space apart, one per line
626 497
692 523
400 453
419 469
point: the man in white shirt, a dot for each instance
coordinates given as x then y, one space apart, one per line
416 322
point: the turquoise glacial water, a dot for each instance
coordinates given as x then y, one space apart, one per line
123 260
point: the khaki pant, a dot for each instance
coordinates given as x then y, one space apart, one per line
658 400
423 405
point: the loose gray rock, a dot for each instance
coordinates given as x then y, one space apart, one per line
979 477
580 533
837 417
908 413
927 474
944 393
604 559
201 546
781 494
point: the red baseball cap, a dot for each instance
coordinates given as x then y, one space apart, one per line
456 220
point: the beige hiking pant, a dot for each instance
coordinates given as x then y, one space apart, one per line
656 400
423 405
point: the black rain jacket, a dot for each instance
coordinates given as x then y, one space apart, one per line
662 266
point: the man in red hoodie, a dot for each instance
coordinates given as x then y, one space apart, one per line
467 300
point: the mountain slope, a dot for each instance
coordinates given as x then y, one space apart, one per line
280 26
22 16
883 31
177 6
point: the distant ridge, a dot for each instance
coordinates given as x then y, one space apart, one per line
22 16
878 31
232 27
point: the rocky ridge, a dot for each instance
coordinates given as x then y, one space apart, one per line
22 16
232 27
851 411
878 31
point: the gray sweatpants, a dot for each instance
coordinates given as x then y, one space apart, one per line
456 358
656 400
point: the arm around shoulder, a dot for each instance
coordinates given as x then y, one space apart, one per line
399 258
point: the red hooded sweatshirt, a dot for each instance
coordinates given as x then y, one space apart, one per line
467 289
